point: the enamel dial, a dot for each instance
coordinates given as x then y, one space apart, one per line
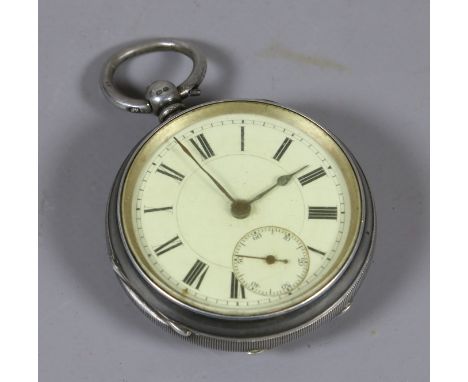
240 211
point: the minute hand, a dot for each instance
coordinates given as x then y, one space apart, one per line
220 187
282 180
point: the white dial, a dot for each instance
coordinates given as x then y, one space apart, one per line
200 189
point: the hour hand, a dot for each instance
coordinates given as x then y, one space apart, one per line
282 180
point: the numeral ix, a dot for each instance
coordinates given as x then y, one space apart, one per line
157 209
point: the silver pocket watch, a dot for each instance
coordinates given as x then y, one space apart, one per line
236 224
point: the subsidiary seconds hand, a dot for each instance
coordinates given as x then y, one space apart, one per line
270 259
221 188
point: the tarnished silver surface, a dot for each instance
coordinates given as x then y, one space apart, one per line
164 98
150 105
230 334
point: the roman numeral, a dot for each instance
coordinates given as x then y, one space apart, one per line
242 137
311 176
323 213
236 287
157 209
198 271
315 250
203 147
166 170
167 246
282 149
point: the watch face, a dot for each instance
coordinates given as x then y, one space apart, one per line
240 209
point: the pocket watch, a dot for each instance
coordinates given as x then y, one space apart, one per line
238 225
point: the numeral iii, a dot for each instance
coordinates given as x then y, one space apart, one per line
323 213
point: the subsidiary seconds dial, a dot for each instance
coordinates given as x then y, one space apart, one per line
270 261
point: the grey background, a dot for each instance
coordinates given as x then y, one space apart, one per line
360 68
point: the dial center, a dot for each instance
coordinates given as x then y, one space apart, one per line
240 209
270 259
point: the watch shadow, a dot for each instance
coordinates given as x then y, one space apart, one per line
72 208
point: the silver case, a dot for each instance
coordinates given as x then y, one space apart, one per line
229 333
